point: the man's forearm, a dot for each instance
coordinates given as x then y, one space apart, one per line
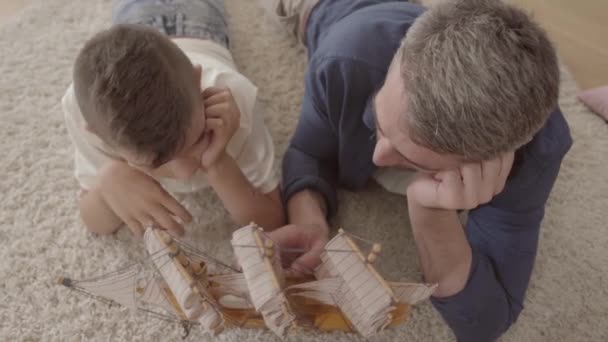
307 207
243 201
98 217
443 249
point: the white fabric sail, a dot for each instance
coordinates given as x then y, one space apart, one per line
264 276
153 291
118 287
195 305
363 299
322 290
412 293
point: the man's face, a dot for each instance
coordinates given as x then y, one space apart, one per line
394 146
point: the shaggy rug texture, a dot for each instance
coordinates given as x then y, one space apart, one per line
42 237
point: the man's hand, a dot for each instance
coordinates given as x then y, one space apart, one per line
301 246
139 200
223 118
468 187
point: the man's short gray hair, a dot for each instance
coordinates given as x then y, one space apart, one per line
481 78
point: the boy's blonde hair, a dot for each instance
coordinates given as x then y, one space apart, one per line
480 76
137 91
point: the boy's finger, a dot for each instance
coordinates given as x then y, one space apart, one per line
216 98
165 200
210 91
217 110
135 227
164 219
214 124
177 210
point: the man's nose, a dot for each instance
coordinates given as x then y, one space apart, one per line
383 154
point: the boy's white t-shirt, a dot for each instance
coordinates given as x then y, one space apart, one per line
251 146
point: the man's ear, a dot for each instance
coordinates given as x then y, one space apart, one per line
198 72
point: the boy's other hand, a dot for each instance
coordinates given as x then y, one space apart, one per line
223 119
139 200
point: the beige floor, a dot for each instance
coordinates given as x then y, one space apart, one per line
42 237
10 7
579 29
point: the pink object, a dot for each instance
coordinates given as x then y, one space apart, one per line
597 100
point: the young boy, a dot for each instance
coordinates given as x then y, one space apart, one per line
157 106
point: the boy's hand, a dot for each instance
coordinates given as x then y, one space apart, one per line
223 118
139 200
468 187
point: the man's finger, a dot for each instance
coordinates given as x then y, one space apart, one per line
290 237
424 189
505 170
449 189
490 174
308 261
471 178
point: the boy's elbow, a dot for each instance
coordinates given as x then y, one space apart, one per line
267 219
276 216
91 217
278 219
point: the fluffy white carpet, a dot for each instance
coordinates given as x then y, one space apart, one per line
42 237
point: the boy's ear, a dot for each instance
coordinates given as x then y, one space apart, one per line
198 71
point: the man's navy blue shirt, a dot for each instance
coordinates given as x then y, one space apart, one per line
350 46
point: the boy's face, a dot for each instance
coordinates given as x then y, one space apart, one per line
186 161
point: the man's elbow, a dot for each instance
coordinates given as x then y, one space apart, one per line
499 319
481 319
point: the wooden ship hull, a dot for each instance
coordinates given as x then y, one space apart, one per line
180 287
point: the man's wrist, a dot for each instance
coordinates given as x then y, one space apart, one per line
307 207
421 216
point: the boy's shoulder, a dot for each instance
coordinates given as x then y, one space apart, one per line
219 70
91 153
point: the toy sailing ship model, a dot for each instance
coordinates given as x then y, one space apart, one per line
182 284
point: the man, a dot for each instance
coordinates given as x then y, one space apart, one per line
464 96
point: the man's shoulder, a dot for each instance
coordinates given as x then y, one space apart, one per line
541 157
551 142
369 35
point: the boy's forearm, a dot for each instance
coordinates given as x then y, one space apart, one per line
243 201
96 214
